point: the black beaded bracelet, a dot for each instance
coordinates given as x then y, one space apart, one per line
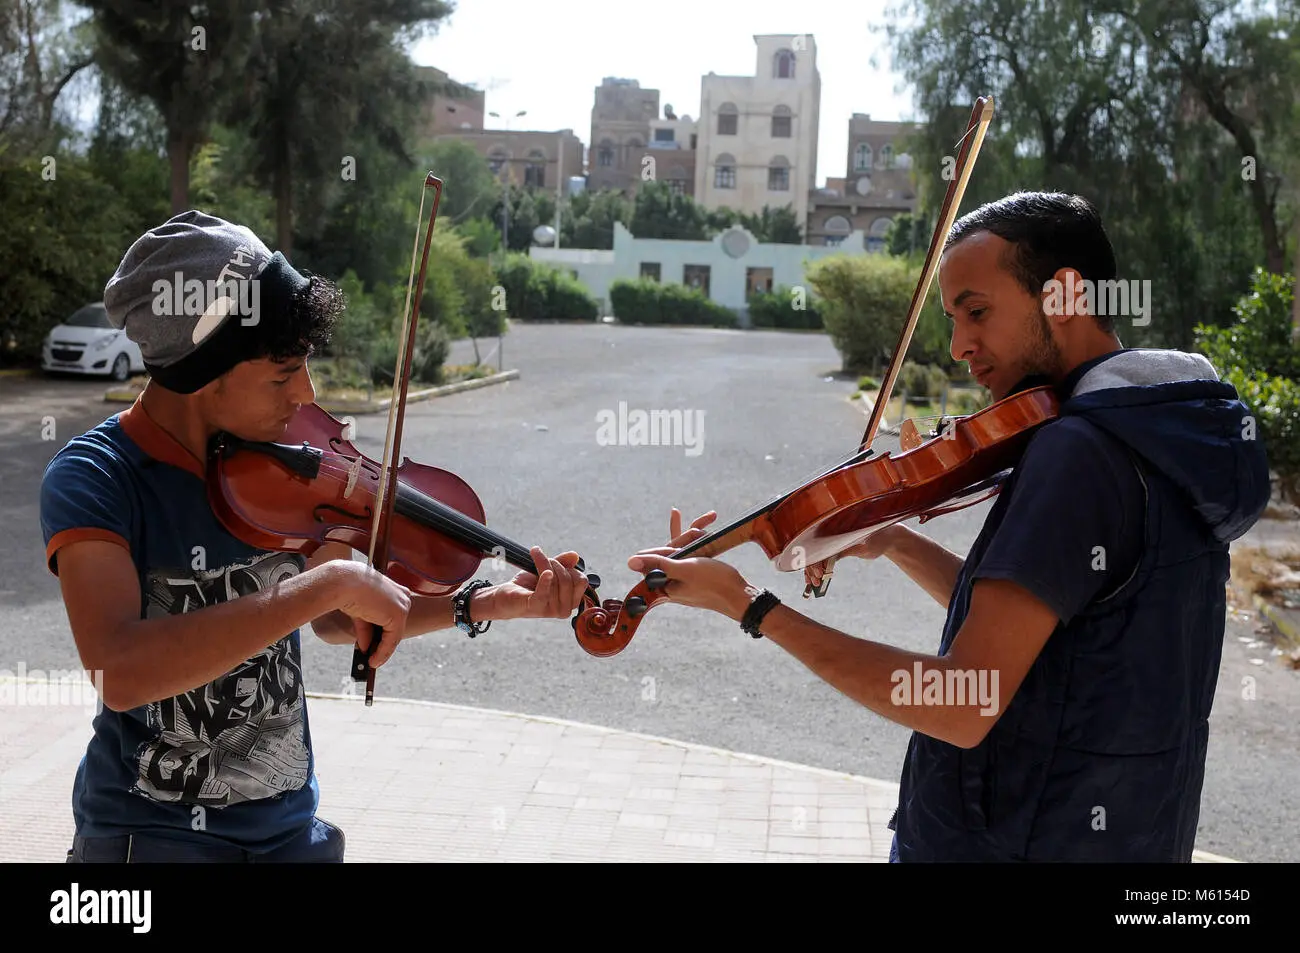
460 609
763 603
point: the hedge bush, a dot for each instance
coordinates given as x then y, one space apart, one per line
1259 355
863 305
922 380
538 292
785 307
645 301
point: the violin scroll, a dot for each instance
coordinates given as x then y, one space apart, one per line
607 629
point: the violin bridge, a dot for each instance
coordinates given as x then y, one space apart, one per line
353 474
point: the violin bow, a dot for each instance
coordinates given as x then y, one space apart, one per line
969 147
385 497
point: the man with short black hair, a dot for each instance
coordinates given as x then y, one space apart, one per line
202 750
1086 623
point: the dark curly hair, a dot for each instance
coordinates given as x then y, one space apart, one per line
310 325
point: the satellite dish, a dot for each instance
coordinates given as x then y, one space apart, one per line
544 235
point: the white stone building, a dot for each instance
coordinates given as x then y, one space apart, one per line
757 135
727 268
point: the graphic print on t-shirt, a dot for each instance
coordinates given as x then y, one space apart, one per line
240 737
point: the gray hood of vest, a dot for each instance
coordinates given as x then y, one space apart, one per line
1172 410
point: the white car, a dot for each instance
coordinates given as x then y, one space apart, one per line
87 344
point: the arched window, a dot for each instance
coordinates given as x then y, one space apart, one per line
887 155
728 116
876 234
778 175
535 171
497 158
781 120
724 172
836 227
862 158
605 154
783 64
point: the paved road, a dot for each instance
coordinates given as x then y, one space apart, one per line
533 451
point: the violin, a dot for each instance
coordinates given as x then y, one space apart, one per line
421 526
315 487
964 463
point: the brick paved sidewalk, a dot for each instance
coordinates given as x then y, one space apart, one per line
416 781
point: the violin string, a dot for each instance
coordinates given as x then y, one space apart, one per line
438 515
853 456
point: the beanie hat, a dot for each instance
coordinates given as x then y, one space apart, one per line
199 295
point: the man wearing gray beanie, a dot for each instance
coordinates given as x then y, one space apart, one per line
202 750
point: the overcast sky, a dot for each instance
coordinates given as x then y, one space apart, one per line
548 56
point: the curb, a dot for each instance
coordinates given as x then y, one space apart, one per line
585 726
374 406
1286 628
115 395
19 372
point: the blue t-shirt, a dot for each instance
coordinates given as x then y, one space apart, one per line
231 759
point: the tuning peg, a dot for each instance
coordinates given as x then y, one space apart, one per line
656 579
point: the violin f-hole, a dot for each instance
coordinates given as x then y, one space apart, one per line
316 512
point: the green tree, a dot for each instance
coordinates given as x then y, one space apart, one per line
1084 104
324 79
589 217
469 187
42 49
659 212
777 226
185 58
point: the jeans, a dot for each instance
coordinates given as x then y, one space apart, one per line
321 843
893 850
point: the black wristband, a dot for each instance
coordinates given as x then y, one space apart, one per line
460 616
763 603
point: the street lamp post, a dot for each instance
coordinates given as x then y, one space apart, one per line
505 188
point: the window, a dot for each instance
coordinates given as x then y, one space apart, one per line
778 175
887 154
605 154
677 180
781 122
696 276
724 172
664 135
783 64
727 119
535 171
837 225
496 159
876 234
650 269
862 158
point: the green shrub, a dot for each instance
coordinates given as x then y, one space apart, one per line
538 292
922 380
867 382
1259 356
644 301
863 302
784 307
